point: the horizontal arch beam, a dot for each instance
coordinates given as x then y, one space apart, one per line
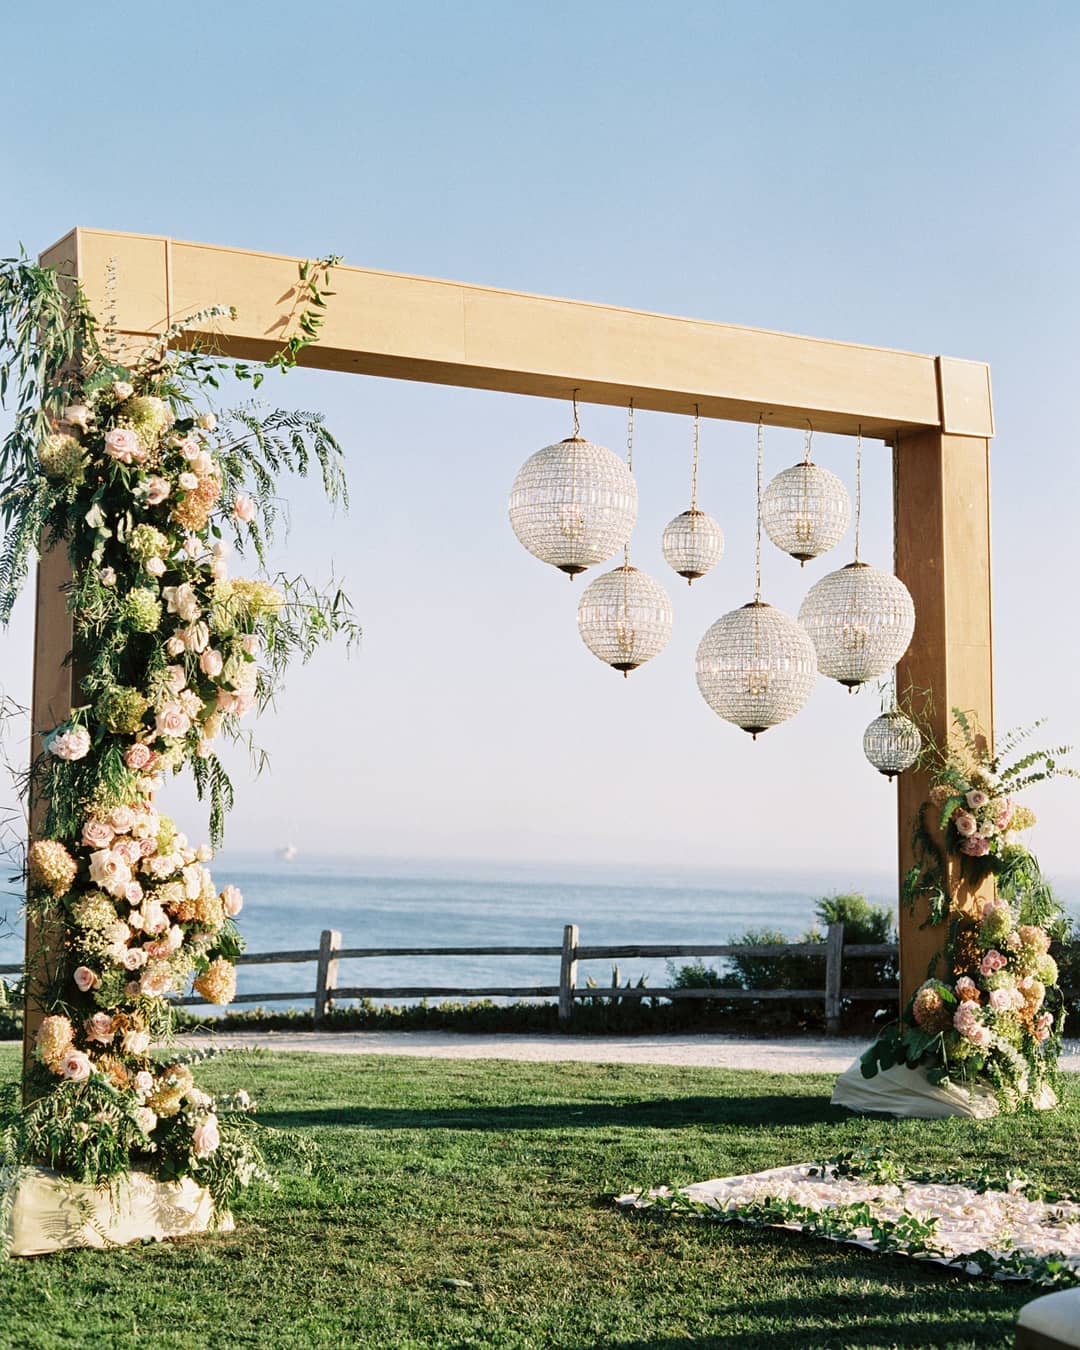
445 332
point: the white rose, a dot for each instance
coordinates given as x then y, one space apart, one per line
207 421
122 389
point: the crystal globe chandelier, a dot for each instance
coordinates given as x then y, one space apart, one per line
573 503
624 616
755 665
693 543
805 509
860 619
892 743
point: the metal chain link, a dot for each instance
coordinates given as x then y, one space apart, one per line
760 460
693 471
858 491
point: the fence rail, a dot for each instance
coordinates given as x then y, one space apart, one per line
329 953
833 952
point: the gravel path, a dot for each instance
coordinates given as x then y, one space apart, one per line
803 1055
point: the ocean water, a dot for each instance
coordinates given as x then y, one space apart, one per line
287 904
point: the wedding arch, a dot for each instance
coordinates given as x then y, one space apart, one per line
133 471
934 414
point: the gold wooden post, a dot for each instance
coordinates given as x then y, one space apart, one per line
51 701
942 485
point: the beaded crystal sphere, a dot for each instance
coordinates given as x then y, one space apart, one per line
624 618
756 667
693 544
573 504
892 743
860 621
805 510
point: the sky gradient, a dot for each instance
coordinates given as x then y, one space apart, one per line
903 176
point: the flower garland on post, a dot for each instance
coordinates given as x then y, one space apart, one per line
150 493
997 1014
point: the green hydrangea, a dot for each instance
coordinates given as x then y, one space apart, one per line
146 542
224 609
1046 970
61 456
93 911
148 417
110 991
165 835
142 610
121 709
996 923
257 598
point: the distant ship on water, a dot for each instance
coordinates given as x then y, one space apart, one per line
288 853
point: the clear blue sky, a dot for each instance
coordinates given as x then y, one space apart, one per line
900 175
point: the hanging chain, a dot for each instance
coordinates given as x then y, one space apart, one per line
808 436
693 470
630 467
760 458
577 419
858 492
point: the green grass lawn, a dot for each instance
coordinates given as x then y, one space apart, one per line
498 1176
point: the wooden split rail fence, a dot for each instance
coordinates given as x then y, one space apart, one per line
832 953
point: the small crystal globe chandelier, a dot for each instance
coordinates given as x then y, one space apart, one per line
574 503
693 542
805 509
892 743
624 616
756 666
860 619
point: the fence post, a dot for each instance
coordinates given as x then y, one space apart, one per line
568 972
834 977
326 976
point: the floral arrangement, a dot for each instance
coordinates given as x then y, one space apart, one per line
152 495
1005 1227
996 1013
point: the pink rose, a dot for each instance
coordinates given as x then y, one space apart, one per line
77 415
976 847
202 463
175 679
157 490
232 901
175 646
121 818
188 481
966 824
243 508
156 980
193 546
154 918
97 834
69 745
196 637
144 1081
133 892
85 979
134 958
976 799
137 1043
172 720
138 756
966 989
100 1028
993 960
155 567
211 663
1000 1000
123 445
251 644
76 1067
127 850
205 1137
122 389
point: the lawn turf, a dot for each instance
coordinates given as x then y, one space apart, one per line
470 1205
